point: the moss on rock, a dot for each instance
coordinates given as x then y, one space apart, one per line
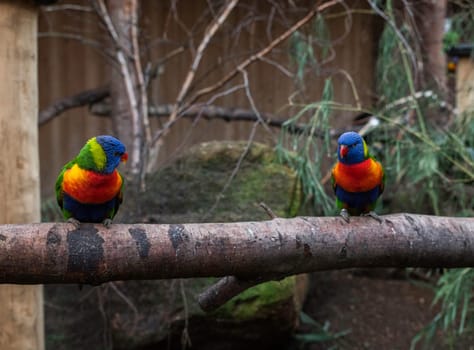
210 183
258 301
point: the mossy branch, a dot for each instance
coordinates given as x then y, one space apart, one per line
252 251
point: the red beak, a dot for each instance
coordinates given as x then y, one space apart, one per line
343 149
124 157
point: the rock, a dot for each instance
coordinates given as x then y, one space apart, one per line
199 186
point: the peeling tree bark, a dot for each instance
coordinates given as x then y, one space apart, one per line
58 253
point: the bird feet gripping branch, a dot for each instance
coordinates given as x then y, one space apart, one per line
345 215
75 222
374 215
107 223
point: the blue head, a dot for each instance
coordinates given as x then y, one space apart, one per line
351 148
114 152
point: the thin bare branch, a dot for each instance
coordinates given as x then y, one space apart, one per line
67 7
243 65
252 104
209 33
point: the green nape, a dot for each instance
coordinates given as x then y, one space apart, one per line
85 158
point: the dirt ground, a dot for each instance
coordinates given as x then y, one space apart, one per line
380 309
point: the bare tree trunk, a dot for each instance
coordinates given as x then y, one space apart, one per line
128 88
21 316
430 16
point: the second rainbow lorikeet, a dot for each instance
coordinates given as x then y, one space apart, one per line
358 179
89 187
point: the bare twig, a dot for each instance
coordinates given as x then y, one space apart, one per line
235 170
263 52
268 210
67 7
252 103
127 301
185 339
182 104
209 33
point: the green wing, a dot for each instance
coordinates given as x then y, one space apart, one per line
59 182
333 179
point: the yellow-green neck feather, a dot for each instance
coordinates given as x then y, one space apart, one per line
98 154
92 156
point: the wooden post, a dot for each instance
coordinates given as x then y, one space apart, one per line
21 315
465 85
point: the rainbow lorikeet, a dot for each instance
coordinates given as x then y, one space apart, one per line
89 187
358 179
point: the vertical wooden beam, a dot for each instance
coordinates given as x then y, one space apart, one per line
21 315
465 85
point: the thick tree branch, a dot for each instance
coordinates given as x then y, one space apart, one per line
83 98
209 112
58 253
225 289
94 96
248 252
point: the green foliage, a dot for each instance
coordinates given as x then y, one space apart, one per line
450 39
436 165
307 49
454 292
429 169
461 27
389 69
319 333
305 151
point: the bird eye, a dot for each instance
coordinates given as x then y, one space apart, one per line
117 154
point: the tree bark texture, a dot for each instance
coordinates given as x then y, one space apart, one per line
430 16
59 253
21 316
127 89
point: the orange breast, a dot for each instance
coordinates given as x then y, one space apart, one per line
360 177
89 187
